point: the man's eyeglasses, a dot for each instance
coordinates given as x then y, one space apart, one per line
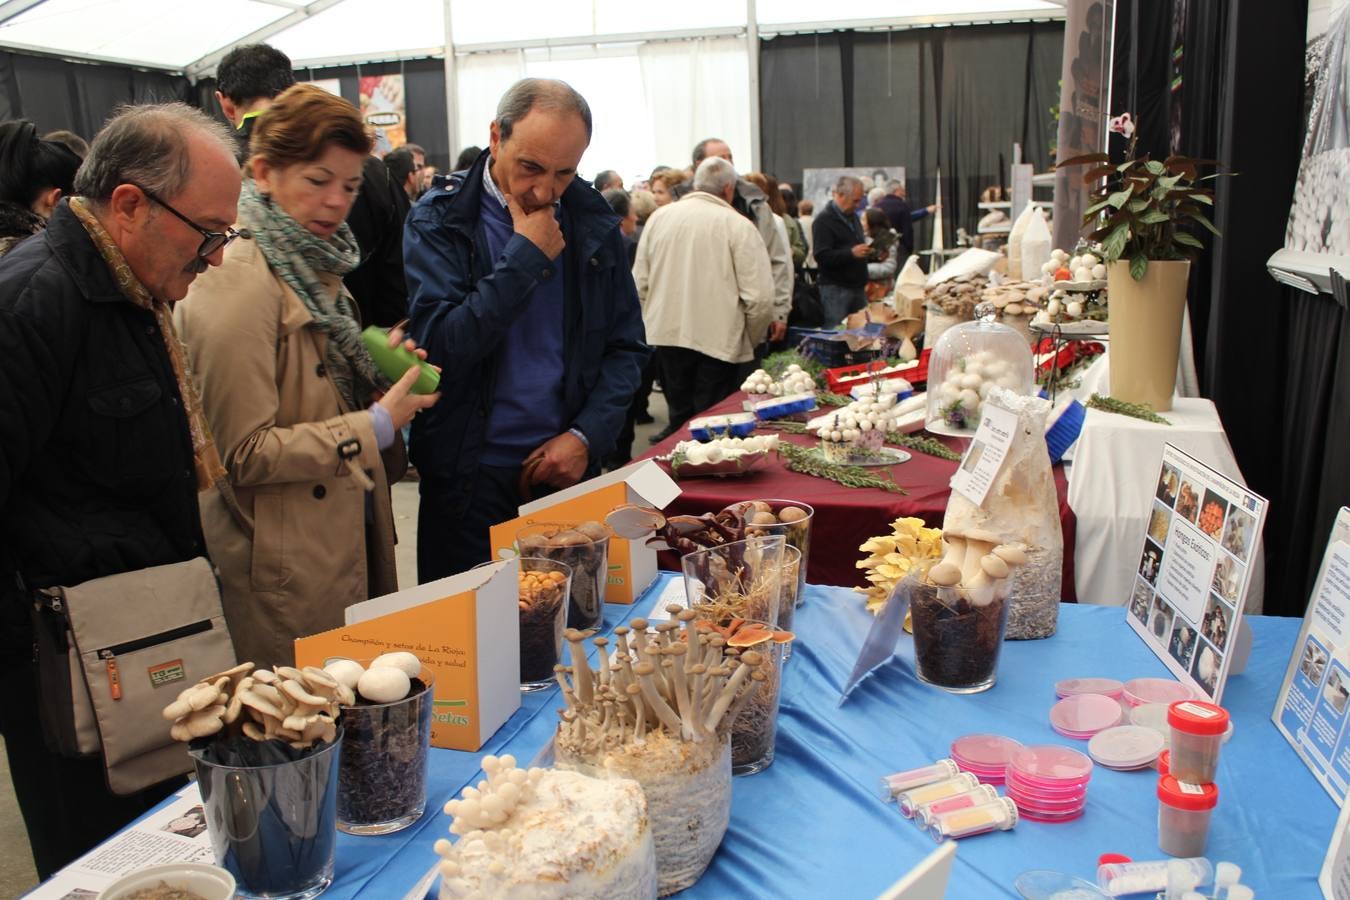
211 240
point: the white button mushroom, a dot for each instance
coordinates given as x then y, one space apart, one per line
347 672
383 684
399 659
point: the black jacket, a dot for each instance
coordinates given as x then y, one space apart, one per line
96 472
834 235
377 221
902 217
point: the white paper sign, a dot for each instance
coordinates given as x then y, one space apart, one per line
1191 581
1311 709
985 455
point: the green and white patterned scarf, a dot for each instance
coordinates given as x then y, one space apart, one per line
297 256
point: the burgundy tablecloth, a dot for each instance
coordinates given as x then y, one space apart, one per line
845 517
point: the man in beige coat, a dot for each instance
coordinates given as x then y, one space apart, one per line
707 291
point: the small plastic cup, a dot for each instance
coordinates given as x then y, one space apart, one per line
911 800
1184 811
1000 815
893 786
1197 733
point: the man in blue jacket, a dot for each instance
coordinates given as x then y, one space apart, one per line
519 288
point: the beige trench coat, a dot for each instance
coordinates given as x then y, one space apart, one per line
278 420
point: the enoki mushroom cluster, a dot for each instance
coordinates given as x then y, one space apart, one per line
287 704
685 679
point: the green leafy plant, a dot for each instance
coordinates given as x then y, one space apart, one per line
1141 207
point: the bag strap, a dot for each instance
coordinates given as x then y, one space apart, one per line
232 504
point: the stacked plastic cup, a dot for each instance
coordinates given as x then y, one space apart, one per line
1048 782
984 755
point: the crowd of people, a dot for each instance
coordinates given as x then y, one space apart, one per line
183 374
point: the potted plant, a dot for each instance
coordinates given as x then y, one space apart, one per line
1140 213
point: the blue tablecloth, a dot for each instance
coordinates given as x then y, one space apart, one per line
813 825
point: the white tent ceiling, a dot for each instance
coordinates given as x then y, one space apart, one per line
190 36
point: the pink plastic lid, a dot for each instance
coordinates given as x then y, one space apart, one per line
1046 804
1050 764
1083 715
1056 794
1032 815
985 753
1109 687
1126 747
1155 690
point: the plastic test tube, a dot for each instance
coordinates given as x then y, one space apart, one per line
985 793
1000 815
893 786
1226 875
911 800
1120 879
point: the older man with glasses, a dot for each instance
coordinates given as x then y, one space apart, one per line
103 445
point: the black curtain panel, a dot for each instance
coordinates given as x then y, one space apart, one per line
922 98
80 97
801 104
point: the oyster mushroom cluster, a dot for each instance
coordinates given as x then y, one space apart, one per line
683 677
297 706
979 564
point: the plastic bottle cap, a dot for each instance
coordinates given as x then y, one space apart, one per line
1197 717
1107 859
1181 795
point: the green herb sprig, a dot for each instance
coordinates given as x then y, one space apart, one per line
829 398
923 444
1121 408
802 460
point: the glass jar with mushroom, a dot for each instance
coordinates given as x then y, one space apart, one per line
265 747
959 608
387 735
967 363
584 548
790 518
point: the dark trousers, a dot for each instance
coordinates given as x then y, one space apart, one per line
66 805
623 448
453 519
693 381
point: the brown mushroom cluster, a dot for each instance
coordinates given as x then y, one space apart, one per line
688 534
287 704
958 296
685 679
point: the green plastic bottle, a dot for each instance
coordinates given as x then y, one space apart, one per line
394 361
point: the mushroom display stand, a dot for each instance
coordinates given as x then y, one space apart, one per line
688 789
956 642
382 785
272 826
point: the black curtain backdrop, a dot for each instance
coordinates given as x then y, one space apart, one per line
1275 361
922 98
54 93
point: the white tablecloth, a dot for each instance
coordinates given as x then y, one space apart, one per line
1111 484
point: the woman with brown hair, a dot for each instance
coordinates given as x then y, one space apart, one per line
663 182
306 425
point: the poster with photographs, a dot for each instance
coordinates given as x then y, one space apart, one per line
1191 579
383 109
818 184
1310 710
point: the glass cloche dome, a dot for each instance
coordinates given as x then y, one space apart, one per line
968 360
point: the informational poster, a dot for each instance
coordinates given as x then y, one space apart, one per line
985 455
1311 709
1194 568
818 184
383 109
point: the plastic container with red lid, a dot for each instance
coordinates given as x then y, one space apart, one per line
1164 762
1080 716
1184 811
1197 730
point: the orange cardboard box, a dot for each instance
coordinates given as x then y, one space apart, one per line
632 564
465 628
